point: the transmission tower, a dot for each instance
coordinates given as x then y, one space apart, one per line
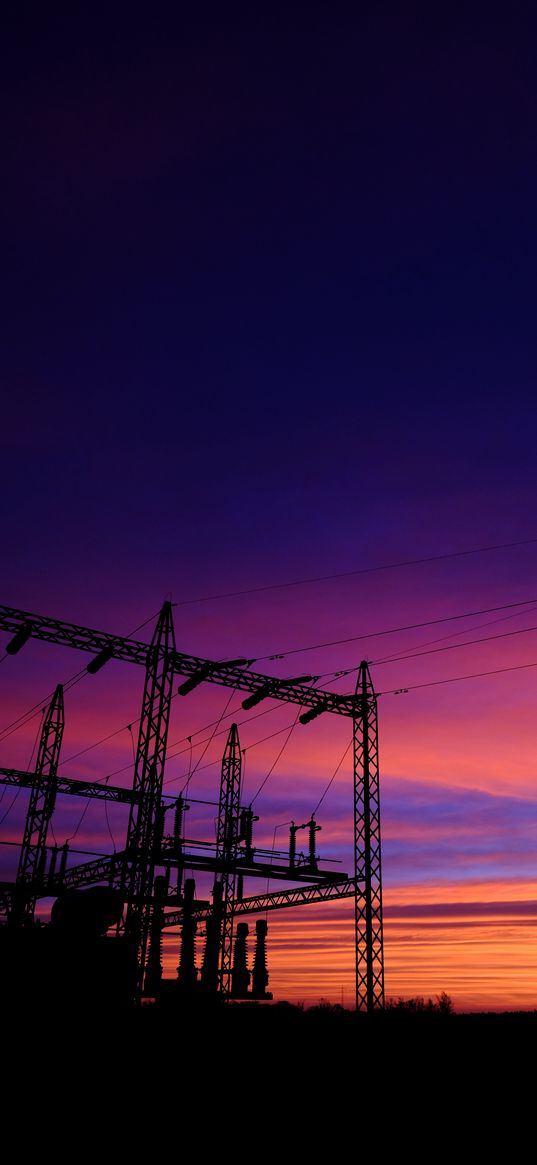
367 860
33 853
134 869
145 818
227 848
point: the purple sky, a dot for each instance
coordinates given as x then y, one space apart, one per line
268 313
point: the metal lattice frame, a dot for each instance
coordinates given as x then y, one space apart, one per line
161 661
227 849
143 831
367 857
41 806
22 779
110 869
134 651
278 900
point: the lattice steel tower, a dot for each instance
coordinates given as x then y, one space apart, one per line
145 819
33 853
227 848
367 858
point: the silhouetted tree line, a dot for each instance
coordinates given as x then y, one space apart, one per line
441 1003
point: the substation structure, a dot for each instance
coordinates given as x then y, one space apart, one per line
136 894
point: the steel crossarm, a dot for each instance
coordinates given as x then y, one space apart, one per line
101 792
135 651
298 896
106 869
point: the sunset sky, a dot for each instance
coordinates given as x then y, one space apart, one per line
269 315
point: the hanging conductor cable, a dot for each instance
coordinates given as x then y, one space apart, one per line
275 762
393 657
209 742
189 738
362 570
30 714
455 646
129 730
457 679
396 630
81 818
111 835
333 777
281 825
4 790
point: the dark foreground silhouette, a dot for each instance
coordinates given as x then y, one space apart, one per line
269 1073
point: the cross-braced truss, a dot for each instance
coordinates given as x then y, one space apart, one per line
133 870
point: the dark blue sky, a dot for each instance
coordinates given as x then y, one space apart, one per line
268 284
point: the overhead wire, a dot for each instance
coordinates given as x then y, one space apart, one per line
456 679
211 738
27 717
275 762
395 630
78 675
332 778
97 743
68 684
111 835
281 825
189 738
14 799
81 818
455 646
248 747
335 674
100 780
246 720
10 807
362 570
452 635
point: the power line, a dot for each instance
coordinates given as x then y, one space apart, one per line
248 747
111 835
14 799
452 635
213 734
181 751
394 630
455 679
104 739
362 570
273 765
335 674
29 715
332 778
454 646
32 712
81 818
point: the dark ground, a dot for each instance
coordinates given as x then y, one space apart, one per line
270 1080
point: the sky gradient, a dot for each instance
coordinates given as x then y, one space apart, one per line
268 309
